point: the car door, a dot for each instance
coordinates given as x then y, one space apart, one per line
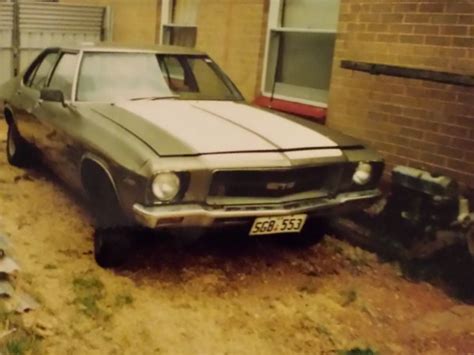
61 122
27 97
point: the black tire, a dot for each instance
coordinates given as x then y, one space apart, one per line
111 246
18 151
313 232
112 240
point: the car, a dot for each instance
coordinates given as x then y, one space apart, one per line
160 137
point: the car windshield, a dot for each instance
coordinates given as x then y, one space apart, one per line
109 77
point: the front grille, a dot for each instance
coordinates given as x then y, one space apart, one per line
273 183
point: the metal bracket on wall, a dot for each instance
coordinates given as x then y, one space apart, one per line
412 73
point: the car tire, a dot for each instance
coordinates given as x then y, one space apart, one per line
112 237
111 246
18 151
313 232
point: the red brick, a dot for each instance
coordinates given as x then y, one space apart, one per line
438 40
433 158
463 143
417 18
387 38
413 122
437 138
366 36
427 29
431 7
466 20
377 27
411 133
407 7
401 28
463 42
411 39
407 153
445 19
381 7
455 131
371 18
392 18
459 7
450 152
454 30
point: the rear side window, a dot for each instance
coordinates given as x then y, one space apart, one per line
40 77
63 75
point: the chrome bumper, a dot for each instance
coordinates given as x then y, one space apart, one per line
204 215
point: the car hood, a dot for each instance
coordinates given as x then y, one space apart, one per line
177 127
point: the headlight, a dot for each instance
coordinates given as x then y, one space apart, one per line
363 174
165 186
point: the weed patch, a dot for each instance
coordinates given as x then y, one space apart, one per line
89 292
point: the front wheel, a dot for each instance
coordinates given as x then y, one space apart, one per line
111 246
112 236
18 153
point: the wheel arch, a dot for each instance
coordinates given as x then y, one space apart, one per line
92 167
8 113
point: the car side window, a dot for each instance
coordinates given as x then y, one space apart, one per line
43 70
63 75
175 74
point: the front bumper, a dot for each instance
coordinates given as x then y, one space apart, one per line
183 215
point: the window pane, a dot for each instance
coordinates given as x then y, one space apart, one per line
63 75
210 85
181 36
41 76
304 66
185 12
175 75
196 78
120 76
321 14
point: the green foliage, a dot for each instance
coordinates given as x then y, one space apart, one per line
123 299
350 296
89 291
20 343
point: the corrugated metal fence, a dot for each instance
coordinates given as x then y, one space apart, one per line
6 38
27 27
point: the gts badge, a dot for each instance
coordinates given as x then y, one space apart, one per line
280 186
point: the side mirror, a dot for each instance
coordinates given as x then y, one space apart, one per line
52 95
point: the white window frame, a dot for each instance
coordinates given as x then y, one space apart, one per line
274 28
167 21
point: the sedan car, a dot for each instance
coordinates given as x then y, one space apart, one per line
160 137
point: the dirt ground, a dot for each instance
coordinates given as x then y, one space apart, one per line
224 295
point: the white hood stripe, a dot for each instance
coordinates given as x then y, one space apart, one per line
225 126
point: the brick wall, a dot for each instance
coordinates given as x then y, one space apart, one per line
233 33
411 122
134 21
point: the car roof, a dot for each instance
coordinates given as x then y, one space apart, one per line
131 48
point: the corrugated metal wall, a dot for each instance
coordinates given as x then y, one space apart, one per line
49 24
45 24
6 46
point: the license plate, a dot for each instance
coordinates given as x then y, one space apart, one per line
276 225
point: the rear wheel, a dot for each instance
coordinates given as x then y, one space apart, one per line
18 152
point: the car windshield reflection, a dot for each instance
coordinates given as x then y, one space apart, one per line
109 77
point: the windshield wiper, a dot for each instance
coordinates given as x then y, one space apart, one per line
153 98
